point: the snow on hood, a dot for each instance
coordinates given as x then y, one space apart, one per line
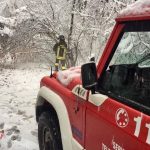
140 7
65 77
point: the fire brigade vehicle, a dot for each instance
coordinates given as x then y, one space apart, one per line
103 106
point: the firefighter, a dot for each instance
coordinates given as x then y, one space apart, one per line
60 50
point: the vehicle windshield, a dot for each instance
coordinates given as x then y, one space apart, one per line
134 47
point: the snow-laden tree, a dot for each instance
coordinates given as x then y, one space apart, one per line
86 24
10 19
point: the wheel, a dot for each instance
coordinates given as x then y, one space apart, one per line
49 132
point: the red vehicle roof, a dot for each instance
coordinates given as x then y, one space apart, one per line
140 10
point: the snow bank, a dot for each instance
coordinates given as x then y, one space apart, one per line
65 77
138 8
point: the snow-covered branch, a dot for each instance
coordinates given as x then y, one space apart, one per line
8 21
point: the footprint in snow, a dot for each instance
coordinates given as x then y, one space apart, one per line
21 112
9 144
13 130
2 125
27 117
14 136
34 133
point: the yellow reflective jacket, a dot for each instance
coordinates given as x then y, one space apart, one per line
60 50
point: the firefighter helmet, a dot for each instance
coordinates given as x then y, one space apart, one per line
61 37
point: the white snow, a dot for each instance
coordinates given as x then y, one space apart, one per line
138 8
6 31
22 9
7 21
19 15
18 92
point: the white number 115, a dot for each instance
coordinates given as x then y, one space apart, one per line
138 121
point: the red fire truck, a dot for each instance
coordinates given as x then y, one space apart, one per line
104 106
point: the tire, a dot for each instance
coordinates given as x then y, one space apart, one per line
49 133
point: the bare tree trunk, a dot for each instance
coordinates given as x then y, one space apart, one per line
71 58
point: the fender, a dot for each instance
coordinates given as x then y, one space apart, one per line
68 142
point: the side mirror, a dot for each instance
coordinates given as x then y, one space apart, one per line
89 75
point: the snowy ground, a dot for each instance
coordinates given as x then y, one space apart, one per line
18 92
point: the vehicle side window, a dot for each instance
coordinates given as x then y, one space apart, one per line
128 73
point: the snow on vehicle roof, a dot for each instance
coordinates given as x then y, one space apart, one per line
139 8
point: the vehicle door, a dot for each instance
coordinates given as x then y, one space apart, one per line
76 107
118 114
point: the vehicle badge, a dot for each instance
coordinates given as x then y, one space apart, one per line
122 118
